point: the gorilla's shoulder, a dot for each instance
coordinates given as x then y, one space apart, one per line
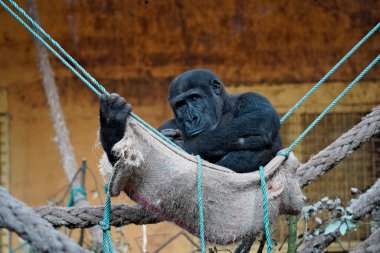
251 100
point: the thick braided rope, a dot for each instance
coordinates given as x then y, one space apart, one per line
328 74
39 233
345 145
85 217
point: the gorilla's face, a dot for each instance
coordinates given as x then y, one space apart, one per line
196 102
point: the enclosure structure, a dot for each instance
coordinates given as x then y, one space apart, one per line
129 48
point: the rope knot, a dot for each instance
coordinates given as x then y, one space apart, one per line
104 226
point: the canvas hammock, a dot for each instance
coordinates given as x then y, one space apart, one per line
157 175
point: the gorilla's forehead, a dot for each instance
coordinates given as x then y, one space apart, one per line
190 80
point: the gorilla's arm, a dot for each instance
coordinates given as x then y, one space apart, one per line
255 126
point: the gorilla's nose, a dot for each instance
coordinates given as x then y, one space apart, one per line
193 119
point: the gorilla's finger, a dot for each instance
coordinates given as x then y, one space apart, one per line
113 98
122 114
169 132
119 103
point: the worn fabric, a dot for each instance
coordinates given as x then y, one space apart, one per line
164 179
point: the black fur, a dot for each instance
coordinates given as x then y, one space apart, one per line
240 132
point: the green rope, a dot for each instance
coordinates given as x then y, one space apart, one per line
105 223
200 204
74 191
332 104
331 71
265 209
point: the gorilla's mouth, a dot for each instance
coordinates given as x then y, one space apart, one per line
196 131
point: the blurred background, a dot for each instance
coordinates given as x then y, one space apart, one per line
136 47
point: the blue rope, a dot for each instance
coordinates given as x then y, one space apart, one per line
336 100
74 191
200 204
265 208
56 44
348 55
105 223
38 37
75 63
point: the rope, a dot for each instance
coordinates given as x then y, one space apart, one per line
326 159
38 37
105 223
75 63
74 191
17 217
265 208
106 214
324 78
200 204
336 100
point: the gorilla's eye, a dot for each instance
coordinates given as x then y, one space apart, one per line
194 97
179 104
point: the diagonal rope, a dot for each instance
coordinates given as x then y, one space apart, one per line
331 71
57 45
333 103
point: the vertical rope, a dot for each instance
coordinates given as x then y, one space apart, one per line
105 223
200 204
265 208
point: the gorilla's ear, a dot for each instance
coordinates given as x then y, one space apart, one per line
216 86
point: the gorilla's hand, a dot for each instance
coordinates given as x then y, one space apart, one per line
113 115
175 135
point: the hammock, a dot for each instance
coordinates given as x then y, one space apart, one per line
157 175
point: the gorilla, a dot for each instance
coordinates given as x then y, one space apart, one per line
240 131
